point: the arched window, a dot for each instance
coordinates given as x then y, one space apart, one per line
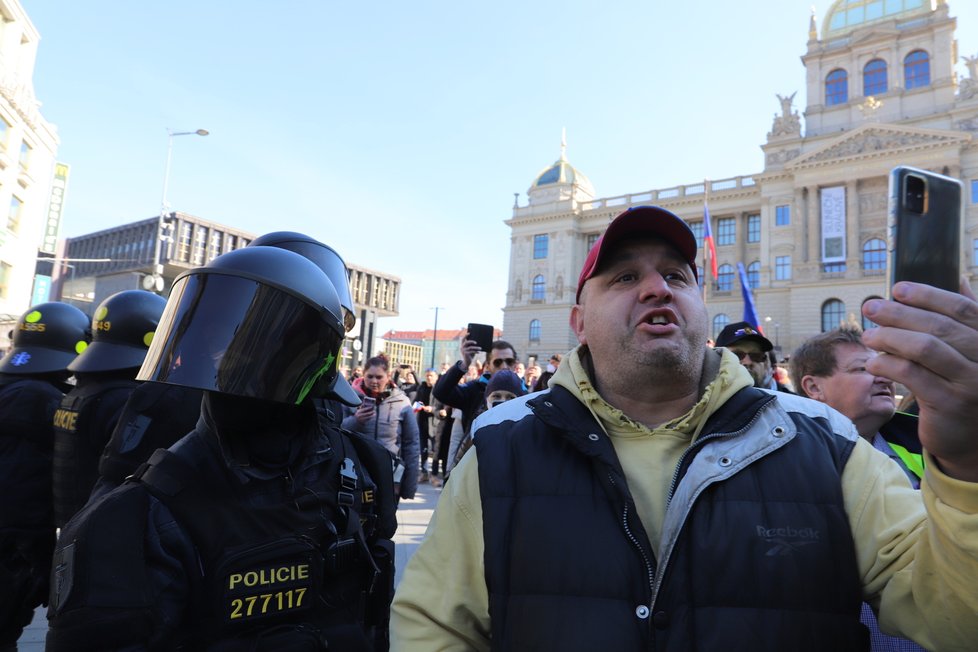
725 278
916 70
833 314
837 87
719 323
874 77
754 274
867 324
874 254
539 288
535 330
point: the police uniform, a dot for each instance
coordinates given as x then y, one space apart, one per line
155 416
122 327
265 528
32 378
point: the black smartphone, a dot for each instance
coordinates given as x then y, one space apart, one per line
925 228
482 334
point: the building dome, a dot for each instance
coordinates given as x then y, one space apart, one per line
845 16
562 172
560 181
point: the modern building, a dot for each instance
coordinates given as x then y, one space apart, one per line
433 348
811 227
28 146
97 265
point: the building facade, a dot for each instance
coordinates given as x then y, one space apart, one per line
435 349
810 229
28 145
96 265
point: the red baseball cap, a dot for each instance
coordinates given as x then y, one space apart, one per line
641 220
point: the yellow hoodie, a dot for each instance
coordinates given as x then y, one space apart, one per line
913 571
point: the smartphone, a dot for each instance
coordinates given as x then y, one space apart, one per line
925 210
482 334
369 401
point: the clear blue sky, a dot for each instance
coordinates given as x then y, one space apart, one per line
398 132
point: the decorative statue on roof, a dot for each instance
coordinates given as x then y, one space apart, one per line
788 124
968 88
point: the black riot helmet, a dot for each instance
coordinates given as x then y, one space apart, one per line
46 339
258 322
324 257
122 331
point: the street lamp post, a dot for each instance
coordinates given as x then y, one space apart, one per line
434 338
165 206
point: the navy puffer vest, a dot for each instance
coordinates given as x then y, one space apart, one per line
757 552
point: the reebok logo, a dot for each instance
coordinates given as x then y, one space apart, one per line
786 540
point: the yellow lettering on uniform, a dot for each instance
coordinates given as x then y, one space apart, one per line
236 605
65 419
282 574
299 592
302 571
251 599
264 605
250 578
235 579
368 496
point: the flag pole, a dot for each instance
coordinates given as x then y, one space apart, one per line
706 199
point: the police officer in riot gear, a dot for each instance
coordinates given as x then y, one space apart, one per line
158 414
122 330
264 528
32 380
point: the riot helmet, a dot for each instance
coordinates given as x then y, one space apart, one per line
324 257
259 322
122 331
332 265
46 339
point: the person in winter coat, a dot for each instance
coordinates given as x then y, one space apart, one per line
387 416
716 515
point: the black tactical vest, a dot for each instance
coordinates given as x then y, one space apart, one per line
315 572
82 426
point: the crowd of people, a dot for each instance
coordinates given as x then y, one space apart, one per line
651 488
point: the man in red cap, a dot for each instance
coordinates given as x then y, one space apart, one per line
653 498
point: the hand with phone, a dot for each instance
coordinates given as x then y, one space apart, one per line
366 411
477 339
930 341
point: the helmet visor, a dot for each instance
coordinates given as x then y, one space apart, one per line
239 336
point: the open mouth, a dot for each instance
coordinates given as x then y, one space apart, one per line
659 317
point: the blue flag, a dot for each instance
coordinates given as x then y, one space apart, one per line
750 310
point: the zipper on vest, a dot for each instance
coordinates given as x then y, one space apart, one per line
663 563
649 567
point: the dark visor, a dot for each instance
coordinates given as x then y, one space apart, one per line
238 336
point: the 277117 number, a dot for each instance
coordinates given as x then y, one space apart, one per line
267 603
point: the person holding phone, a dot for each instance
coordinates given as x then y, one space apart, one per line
387 416
717 515
468 396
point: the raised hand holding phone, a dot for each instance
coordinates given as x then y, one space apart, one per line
925 212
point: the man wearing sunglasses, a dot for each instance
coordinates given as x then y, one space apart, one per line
754 352
468 397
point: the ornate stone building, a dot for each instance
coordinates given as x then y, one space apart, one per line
28 145
811 228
